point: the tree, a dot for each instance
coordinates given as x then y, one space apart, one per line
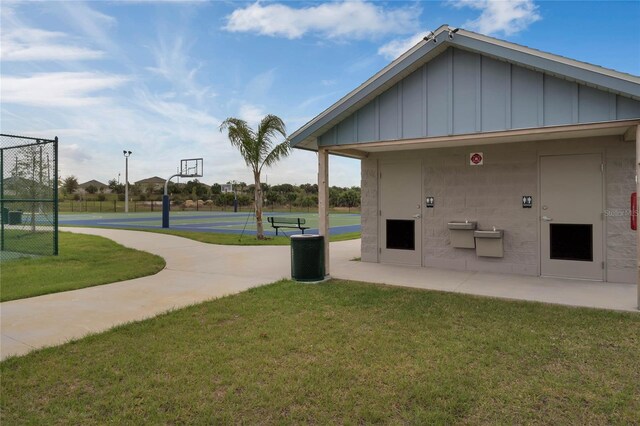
92 189
258 149
70 184
115 187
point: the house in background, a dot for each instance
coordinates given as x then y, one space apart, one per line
154 183
465 131
100 187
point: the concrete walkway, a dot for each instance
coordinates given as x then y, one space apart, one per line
196 272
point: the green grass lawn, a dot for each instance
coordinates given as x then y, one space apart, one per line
339 352
235 239
84 261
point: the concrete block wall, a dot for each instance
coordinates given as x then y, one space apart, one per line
492 195
369 208
620 183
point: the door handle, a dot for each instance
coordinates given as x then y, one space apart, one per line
417 216
547 218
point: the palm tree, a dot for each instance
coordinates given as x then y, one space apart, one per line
258 150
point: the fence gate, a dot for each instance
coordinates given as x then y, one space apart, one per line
28 196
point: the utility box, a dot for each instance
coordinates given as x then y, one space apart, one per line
489 243
307 257
14 218
461 234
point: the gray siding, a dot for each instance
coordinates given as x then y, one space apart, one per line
437 99
460 92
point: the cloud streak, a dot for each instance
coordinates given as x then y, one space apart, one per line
498 16
340 20
61 89
29 44
395 48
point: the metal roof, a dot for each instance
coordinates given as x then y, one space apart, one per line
559 66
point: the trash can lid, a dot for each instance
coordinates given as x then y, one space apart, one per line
302 236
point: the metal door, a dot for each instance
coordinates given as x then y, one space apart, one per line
571 216
401 212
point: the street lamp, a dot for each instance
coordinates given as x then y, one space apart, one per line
126 180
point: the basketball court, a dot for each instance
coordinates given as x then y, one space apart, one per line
218 222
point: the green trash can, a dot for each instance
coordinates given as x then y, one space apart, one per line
15 218
307 257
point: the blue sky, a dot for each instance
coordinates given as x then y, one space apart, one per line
157 78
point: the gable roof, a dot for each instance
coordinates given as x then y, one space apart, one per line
609 80
151 180
93 182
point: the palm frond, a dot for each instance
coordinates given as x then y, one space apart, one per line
269 128
242 137
277 153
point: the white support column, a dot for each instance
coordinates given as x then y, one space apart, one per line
638 192
323 203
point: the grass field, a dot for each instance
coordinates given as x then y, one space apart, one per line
247 240
339 352
84 261
203 222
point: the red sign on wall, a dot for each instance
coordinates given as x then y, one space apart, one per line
476 159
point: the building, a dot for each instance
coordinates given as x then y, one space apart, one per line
155 183
465 129
100 187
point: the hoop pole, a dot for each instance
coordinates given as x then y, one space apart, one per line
165 202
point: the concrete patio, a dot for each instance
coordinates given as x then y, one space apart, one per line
196 272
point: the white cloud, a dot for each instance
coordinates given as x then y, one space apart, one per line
173 64
175 111
64 89
252 114
506 16
395 48
499 16
23 43
346 19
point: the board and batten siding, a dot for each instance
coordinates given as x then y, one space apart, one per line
460 92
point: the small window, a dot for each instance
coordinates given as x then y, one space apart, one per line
401 234
571 242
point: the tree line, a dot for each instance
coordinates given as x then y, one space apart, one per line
304 195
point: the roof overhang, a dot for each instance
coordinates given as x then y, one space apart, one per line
591 75
625 129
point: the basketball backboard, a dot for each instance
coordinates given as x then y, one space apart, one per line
191 167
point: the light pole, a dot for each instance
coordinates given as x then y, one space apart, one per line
126 180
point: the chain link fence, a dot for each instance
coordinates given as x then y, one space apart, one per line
28 196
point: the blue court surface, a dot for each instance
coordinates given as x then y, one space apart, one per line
219 222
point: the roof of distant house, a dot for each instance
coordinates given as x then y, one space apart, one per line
151 180
93 182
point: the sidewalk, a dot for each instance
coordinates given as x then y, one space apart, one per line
196 272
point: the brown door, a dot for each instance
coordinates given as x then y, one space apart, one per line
571 219
401 212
